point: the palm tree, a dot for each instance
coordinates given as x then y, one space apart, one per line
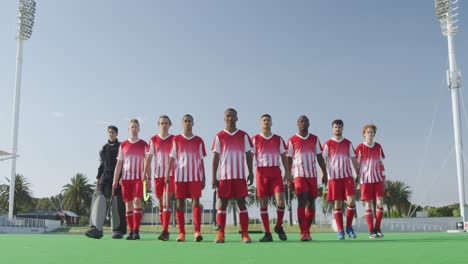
77 195
23 194
397 196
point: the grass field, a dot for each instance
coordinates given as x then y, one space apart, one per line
396 248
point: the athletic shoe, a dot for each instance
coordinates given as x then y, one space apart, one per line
304 237
341 235
266 238
181 237
373 234
379 232
281 234
246 238
117 236
198 237
219 237
164 236
350 232
136 234
94 233
309 238
130 236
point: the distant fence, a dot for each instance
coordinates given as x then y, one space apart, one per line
423 224
26 225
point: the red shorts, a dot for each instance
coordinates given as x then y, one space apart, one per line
185 190
132 189
160 186
306 185
339 189
370 191
232 188
269 181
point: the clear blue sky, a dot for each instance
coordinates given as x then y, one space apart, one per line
90 63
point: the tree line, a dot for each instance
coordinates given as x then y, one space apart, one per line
77 194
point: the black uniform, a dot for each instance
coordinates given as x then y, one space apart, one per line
108 157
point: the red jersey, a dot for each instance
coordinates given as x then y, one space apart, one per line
369 158
304 151
133 156
188 154
161 148
338 155
231 148
268 150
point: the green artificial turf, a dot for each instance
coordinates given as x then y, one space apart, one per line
397 248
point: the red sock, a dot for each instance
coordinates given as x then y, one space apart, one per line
370 220
301 217
181 220
339 219
310 215
279 220
264 215
349 216
244 219
129 217
161 218
137 215
378 217
166 219
197 218
221 219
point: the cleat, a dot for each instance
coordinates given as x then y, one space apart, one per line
246 238
94 233
181 237
117 236
373 234
350 232
309 238
281 234
304 237
130 236
266 238
219 237
379 232
136 234
197 237
341 235
164 236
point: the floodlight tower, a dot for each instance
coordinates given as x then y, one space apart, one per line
26 11
447 12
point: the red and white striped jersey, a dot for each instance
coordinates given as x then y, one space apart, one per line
304 151
133 156
231 148
161 148
268 150
188 154
369 158
338 155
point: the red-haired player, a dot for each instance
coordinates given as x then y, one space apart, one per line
370 156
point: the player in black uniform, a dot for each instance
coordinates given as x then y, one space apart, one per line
103 197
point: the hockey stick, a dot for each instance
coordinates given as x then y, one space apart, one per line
214 210
109 206
146 192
